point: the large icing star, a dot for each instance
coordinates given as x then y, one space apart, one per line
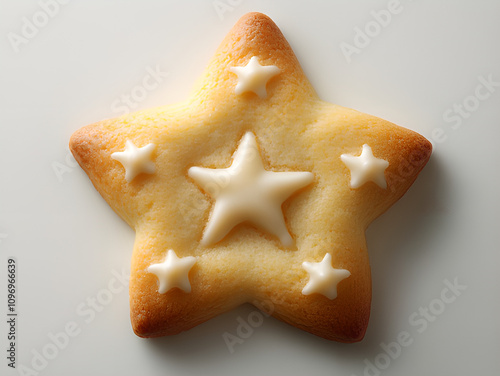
254 77
135 160
323 277
366 168
209 171
173 272
248 193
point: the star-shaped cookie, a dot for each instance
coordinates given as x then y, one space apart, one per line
251 198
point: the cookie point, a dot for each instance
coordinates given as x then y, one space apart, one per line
79 145
75 140
255 16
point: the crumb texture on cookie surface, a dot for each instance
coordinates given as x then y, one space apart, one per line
295 133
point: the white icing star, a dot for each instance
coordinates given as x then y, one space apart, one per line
254 77
135 160
366 168
173 272
247 192
323 278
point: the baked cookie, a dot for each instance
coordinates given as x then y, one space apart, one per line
253 190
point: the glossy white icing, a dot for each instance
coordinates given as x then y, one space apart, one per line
173 272
253 77
366 168
247 192
135 160
323 277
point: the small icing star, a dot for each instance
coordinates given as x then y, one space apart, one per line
254 77
248 193
366 168
135 160
323 278
173 272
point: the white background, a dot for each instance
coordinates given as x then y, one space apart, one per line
69 244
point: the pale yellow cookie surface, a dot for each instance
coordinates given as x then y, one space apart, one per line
294 132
